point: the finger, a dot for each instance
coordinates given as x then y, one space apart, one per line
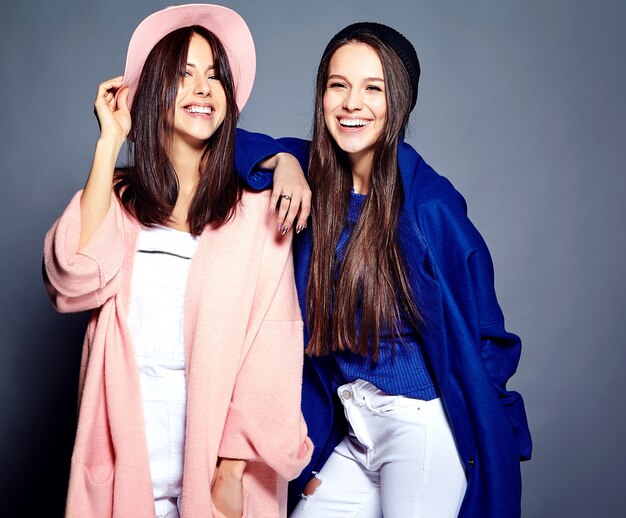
116 82
292 212
110 100
116 79
305 211
111 84
105 101
274 199
282 227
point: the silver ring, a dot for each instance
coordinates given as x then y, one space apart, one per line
286 196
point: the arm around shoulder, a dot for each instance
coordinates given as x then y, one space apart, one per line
252 149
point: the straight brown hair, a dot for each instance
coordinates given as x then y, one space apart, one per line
372 278
148 186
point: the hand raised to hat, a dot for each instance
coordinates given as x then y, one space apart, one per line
113 116
111 109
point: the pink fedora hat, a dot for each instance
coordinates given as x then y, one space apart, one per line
225 23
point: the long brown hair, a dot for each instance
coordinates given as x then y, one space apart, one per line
372 278
148 187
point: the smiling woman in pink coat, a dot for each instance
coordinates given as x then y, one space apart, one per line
192 362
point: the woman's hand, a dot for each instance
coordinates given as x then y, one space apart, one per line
111 110
227 489
291 195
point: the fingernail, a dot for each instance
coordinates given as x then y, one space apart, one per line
284 231
279 228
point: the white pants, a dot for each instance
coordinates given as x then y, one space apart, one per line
164 407
399 460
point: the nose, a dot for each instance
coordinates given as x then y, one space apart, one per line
353 100
202 86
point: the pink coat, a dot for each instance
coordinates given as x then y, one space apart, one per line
243 341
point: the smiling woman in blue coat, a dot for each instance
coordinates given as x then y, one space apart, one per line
406 353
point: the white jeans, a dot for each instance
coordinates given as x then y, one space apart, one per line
164 407
399 460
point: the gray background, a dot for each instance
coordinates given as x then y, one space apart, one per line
521 106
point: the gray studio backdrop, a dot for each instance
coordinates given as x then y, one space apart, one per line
521 105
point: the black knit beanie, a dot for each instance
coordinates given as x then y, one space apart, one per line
390 37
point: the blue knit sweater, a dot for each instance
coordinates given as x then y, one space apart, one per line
400 368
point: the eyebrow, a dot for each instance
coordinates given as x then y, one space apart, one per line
367 79
212 67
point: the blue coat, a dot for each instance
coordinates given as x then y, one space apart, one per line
471 354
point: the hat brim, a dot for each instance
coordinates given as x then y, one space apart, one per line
226 24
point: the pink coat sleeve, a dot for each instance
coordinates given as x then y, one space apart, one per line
78 280
264 421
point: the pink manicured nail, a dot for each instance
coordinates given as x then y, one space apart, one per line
284 231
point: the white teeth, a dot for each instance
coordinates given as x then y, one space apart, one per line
198 109
353 123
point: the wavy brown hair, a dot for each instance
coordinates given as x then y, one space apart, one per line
148 186
372 278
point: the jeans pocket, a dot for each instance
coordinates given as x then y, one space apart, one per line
383 409
381 403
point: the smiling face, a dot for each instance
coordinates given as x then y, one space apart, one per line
200 106
355 103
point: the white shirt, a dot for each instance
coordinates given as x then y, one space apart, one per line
156 320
